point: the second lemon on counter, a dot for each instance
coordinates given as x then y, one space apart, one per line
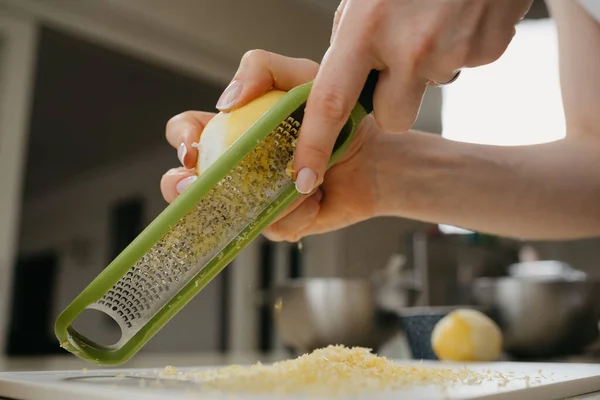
467 335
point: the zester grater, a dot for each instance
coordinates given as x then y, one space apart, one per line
201 232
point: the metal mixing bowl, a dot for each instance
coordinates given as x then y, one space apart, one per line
542 317
317 312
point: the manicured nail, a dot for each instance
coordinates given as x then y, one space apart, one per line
185 183
306 180
230 96
181 153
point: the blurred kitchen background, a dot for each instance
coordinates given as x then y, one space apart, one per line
86 87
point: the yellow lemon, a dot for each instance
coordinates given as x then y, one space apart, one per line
225 128
466 335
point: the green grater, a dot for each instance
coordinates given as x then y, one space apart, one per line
200 232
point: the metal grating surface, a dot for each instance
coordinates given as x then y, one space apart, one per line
224 212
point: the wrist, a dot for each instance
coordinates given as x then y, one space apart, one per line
412 172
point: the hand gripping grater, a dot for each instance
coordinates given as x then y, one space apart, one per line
201 232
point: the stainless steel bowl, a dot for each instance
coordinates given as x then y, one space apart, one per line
317 312
542 316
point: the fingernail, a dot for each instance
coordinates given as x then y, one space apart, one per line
306 180
185 183
181 153
230 96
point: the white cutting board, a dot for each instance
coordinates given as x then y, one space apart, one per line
548 381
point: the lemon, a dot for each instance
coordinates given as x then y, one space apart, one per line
225 128
466 335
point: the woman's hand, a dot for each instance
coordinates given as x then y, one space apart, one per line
348 193
415 43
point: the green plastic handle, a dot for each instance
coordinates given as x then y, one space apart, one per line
82 347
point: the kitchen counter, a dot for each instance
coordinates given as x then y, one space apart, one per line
68 362
154 360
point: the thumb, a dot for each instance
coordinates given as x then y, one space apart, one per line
261 71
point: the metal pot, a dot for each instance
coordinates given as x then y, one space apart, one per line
542 316
316 312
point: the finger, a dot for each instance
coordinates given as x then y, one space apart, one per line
185 129
336 19
398 90
288 228
497 29
294 206
450 50
335 91
261 71
175 181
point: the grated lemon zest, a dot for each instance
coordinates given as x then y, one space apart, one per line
333 371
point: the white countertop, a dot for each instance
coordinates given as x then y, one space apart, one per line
68 362
156 360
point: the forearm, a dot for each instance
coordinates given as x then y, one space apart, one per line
548 191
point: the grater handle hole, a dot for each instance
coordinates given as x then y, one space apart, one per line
98 327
